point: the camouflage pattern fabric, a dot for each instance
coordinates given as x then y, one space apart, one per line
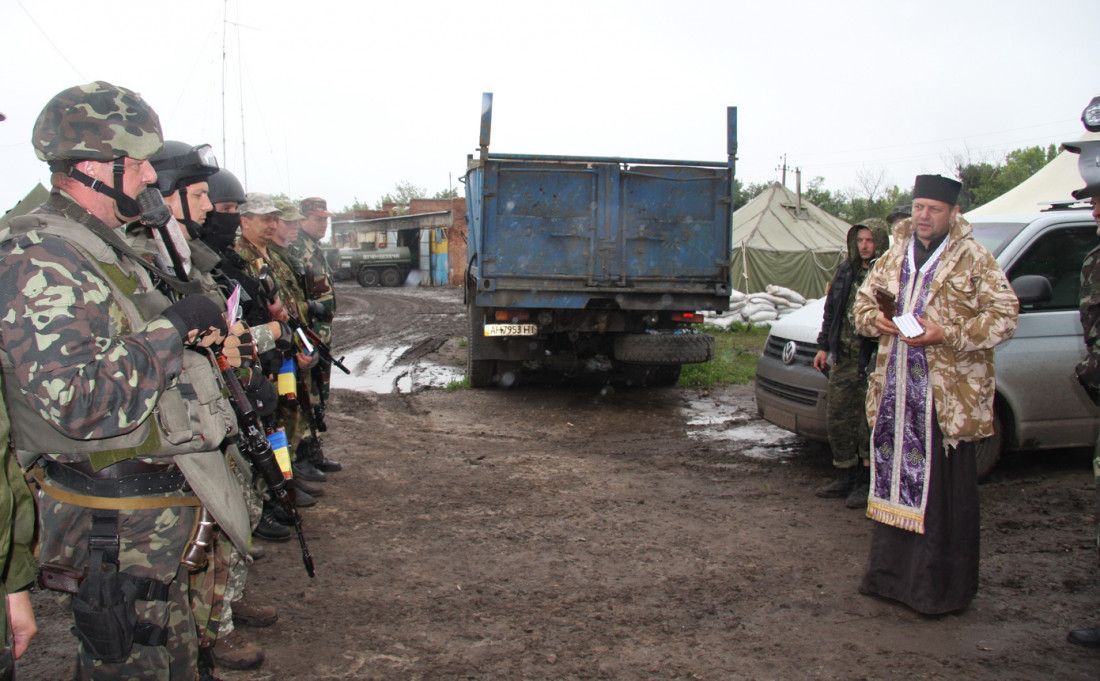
97 121
318 284
846 422
309 261
89 374
17 524
85 370
237 564
290 416
973 302
151 545
1088 371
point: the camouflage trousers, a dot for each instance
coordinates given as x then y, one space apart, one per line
234 561
152 542
292 419
846 414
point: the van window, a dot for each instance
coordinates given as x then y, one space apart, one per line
1057 255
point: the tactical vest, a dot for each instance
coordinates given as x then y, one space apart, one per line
192 413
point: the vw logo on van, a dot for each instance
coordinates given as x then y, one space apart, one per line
789 351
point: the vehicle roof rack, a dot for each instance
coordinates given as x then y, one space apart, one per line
1065 205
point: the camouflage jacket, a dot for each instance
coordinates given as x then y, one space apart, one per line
973 302
1088 371
290 293
75 357
313 269
17 521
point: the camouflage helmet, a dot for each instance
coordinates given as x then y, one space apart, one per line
225 188
98 122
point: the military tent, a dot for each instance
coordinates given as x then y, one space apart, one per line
32 200
1051 183
781 239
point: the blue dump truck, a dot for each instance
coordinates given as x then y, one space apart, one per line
580 264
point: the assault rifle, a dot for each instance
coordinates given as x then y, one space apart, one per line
254 445
322 348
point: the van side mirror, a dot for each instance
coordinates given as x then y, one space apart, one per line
1032 289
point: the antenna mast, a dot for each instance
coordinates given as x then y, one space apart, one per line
225 23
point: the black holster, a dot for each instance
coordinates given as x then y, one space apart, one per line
104 617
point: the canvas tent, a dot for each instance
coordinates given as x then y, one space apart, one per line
778 239
32 200
1052 182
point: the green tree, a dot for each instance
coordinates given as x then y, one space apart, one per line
450 193
403 192
746 192
356 205
984 181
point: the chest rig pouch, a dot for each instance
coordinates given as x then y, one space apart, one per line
192 413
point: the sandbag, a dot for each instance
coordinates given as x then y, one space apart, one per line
768 298
763 315
784 292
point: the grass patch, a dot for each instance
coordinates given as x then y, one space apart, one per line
735 353
464 384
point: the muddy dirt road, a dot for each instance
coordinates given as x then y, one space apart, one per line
586 532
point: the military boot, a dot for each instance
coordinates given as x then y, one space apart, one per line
310 489
310 448
1089 638
251 615
862 489
234 651
307 471
841 487
269 528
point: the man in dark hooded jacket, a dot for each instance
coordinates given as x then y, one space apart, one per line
845 356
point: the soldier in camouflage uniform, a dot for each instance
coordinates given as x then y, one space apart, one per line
114 403
257 246
17 521
318 284
182 173
845 356
1088 371
17 525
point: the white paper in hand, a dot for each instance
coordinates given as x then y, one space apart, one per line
908 325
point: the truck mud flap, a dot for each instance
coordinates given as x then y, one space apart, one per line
661 348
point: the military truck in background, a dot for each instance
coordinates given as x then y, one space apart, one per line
372 265
582 264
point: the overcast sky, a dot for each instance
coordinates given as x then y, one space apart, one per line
344 100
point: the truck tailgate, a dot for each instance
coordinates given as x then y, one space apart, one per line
573 226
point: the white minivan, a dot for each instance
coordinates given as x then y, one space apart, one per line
1039 404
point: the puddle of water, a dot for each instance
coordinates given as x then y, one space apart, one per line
376 370
750 437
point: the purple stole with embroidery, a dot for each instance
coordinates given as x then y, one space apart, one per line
901 440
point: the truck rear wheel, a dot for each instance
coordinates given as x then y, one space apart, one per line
367 277
664 348
480 372
391 276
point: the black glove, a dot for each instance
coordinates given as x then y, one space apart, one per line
195 313
318 312
270 361
262 394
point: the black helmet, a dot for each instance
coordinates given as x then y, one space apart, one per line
179 164
225 188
